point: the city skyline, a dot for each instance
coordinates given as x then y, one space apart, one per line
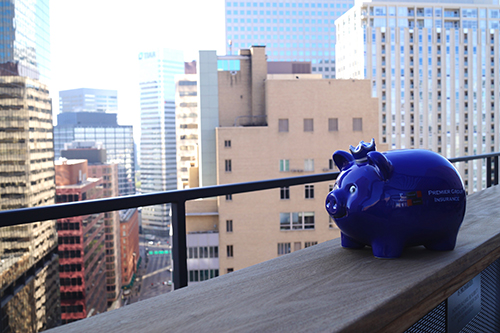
106 52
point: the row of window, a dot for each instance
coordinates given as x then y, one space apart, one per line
308 192
70 268
203 274
71 308
333 125
71 281
71 295
285 248
68 226
69 240
427 12
308 165
203 252
287 5
297 221
69 197
70 254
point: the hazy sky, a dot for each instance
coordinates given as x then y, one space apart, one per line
95 43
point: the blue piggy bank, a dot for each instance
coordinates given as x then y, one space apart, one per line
396 199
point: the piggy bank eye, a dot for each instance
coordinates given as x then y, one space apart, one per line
352 189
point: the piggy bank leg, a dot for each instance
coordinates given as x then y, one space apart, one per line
443 244
387 250
350 243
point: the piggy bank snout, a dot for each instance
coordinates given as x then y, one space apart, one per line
335 205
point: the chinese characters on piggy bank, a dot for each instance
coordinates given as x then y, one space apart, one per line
396 199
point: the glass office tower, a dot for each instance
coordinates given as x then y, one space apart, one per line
88 100
157 69
25 46
296 30
100 127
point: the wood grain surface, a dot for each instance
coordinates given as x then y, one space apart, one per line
321 288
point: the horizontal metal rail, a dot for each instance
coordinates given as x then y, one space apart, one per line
64 210
178 200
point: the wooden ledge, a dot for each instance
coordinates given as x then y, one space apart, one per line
321 288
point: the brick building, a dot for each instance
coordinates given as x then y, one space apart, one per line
129 236
81 245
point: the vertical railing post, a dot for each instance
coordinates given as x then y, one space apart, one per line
488 172
495 164
179 250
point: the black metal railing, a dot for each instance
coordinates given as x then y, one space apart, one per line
178 200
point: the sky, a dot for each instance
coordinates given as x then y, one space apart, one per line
95 43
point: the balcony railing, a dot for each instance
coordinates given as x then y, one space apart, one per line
328 288
178 200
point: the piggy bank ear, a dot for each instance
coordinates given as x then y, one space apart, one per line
381 163
343 160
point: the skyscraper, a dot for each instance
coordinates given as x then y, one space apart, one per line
158 146
29 278
295 30
435 68
187 123
88 100
25 46
101 127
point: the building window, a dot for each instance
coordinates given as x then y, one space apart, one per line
284 165
309 164
230 270
308 125
285 193
331 165
309 191
297 221
229 225
202 275
228 165
227 143
229 197
229 249
297 246
308 244
333 124
331 223
283 125
284 248
357 124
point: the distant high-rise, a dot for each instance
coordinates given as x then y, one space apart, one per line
296 30
29 277
117 139
187 123
435 68
88 100
157 69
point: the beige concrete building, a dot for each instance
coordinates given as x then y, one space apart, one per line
186 125
27 179
255 126
434 67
